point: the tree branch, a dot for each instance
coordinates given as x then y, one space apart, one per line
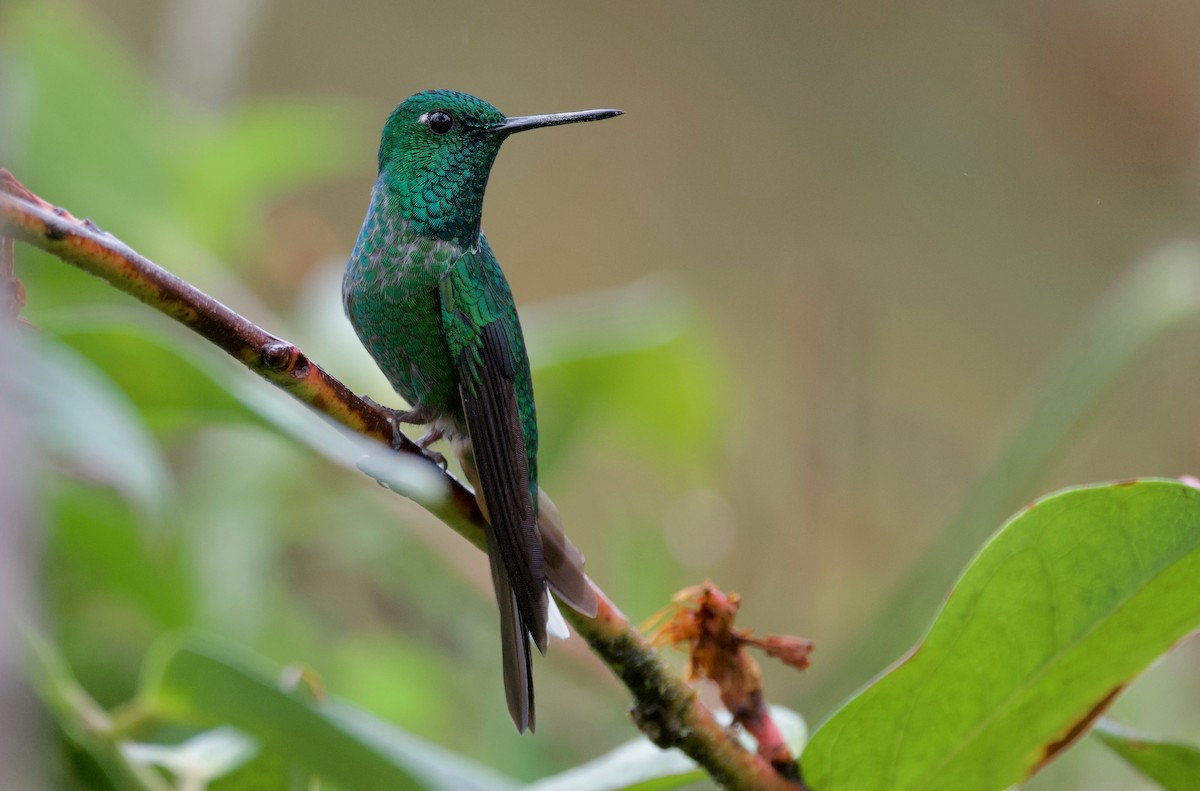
664 707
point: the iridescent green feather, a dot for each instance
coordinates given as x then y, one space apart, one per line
475 294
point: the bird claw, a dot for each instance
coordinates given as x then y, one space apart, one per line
413 417
437 458
394 418
432 436
387 410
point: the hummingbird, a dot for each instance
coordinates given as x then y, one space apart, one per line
429 301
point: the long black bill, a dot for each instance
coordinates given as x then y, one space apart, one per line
523 122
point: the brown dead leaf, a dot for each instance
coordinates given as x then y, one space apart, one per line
701 618
792 651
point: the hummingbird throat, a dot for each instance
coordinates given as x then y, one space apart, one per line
439 202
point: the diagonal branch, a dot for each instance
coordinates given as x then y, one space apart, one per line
664 707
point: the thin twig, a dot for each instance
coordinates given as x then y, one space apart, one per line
664 707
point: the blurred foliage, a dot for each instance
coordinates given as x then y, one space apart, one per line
90 426
148 164
1173 765
761 414
281 552
204 686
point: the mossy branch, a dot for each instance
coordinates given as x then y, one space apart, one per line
664 707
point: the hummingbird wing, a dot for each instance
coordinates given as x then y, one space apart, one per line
484 338
563 561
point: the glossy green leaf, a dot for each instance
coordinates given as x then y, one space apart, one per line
1063 607
208 686
639 765
1173 765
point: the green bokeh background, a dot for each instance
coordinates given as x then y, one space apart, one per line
784 313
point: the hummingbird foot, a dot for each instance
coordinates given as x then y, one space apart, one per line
432 436
394 417
415 417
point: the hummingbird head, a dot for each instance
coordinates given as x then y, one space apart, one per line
437 150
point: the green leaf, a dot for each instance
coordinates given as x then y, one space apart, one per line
437 767
99 548
1064 606
207 686
82 721
196 385
90 425
1173 765
184 390
268 771
641 765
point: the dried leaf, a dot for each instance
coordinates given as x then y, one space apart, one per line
702 620
792 651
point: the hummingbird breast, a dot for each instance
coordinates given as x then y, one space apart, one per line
391 295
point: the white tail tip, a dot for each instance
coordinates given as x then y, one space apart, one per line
556 626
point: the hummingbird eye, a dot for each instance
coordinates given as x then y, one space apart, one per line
439 122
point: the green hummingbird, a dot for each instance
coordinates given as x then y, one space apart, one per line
429 302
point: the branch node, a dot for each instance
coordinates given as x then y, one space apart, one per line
279 356
55 232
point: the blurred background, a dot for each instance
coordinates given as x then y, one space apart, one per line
846 287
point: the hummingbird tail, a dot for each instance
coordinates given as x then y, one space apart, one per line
563 560
556 625
514 644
